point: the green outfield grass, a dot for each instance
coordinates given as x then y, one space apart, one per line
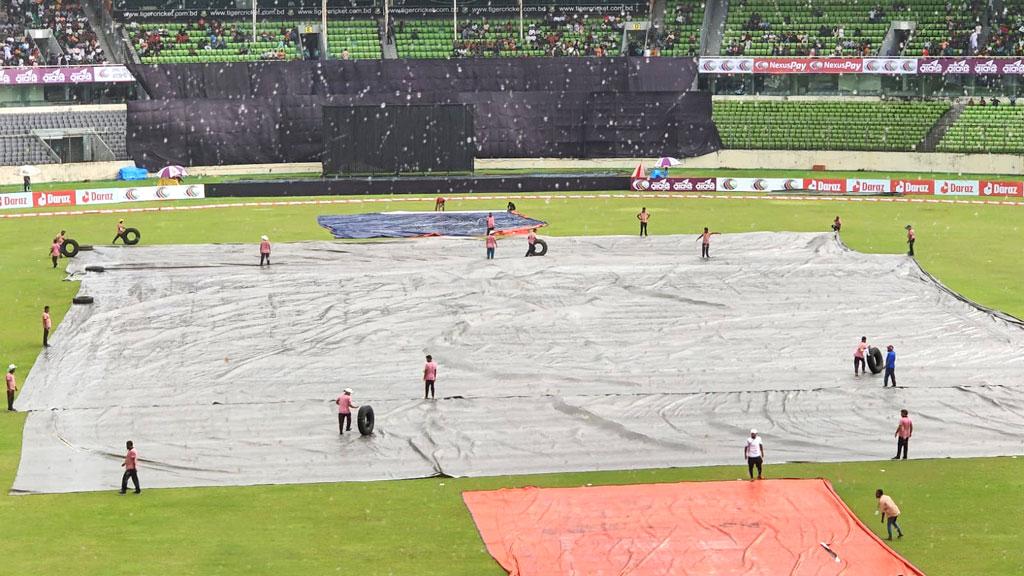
962 517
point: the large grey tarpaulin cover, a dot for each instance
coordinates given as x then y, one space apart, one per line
609 353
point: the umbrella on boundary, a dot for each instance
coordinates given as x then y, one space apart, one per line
28 171
667 162
172 172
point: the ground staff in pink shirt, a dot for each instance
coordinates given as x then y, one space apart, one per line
859 360
531 243
492 244
705 245
643 217
345 407
47 324
429 376
55 252
904 431
264 250
131 470
12 387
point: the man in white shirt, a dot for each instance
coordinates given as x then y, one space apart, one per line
753 452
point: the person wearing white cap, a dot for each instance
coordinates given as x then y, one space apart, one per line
264 250
345 407
753 452
12 387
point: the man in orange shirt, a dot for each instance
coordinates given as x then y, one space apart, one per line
910 240
889 511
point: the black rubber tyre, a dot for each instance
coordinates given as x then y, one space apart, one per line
540 248
69 248
875 362
82 300
132 236
364 420
95 269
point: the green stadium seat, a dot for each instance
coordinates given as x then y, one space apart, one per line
822 125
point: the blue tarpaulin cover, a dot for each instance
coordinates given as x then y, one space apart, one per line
415 224
132 173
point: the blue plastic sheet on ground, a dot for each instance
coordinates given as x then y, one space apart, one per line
417 224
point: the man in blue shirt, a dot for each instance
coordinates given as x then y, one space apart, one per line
890 368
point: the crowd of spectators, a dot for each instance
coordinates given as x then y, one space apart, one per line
954 32
560 33
827 41
211 34
681 29
960 31
67 21
1007 36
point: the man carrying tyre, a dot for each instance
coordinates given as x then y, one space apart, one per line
345 407
121 230
531 243
859 360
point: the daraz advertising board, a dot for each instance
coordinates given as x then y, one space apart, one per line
99 196
839 186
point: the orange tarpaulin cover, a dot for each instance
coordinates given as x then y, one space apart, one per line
770 528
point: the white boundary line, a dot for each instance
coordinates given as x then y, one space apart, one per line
388 200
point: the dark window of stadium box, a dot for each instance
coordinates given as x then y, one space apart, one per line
21 95
774 85
56 93
901 86
822 84
859 84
